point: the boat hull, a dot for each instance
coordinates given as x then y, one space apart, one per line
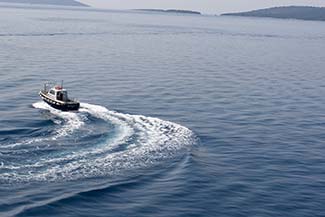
63 106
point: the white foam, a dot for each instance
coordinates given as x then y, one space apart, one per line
73 120
146 141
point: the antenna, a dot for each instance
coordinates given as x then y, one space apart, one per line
62 84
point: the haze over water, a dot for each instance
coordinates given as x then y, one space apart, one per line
181 115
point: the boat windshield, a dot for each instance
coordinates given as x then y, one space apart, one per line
62 96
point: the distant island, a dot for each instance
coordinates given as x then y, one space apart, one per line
47 2
290 12
170 11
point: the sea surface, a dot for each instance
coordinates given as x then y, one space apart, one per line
181 115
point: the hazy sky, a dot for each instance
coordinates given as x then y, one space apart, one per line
206 6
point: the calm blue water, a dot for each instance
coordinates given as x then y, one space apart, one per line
181 115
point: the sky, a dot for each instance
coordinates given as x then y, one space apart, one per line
205 6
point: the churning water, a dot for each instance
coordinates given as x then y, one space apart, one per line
180 115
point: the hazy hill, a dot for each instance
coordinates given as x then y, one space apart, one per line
46 2
170 11
290 12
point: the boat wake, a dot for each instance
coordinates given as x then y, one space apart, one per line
92 142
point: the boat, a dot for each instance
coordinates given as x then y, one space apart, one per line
57 97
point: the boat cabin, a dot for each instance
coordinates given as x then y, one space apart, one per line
58 93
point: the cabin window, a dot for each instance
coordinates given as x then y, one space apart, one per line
62 96
52 92
59 96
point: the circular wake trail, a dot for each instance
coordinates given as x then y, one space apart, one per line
131 142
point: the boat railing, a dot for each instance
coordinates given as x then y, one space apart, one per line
47 86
